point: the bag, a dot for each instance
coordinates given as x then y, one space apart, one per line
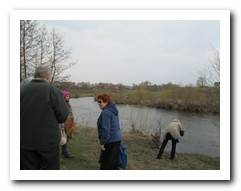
122 157
69 126
63 139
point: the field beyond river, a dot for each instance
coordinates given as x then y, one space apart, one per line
168 96
141 152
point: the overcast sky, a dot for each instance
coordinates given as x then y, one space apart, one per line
131 52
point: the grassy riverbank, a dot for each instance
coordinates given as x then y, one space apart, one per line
141 154
169 96
173 98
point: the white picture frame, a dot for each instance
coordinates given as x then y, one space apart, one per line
221 15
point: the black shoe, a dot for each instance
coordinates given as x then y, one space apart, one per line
65 152
159 157
67 156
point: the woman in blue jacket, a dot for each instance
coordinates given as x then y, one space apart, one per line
109 133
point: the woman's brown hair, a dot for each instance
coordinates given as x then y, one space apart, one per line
104 97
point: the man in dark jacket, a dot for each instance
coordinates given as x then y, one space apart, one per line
42 108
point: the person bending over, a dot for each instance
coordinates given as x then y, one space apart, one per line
173 132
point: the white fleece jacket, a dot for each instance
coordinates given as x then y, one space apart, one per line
174 128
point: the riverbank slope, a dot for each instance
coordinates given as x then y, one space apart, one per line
168 96
141 154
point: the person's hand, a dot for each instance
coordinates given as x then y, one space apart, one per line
102 147
182 133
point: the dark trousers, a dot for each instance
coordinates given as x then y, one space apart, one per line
164 143
44 159
109 159
64 148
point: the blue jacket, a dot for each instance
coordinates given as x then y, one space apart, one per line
108 125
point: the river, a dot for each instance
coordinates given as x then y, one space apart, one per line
202 131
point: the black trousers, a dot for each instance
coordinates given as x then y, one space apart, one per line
109 159
64 148
44 159
164 143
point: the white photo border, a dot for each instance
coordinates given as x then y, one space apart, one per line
221 15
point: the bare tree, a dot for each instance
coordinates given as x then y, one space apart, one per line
145 84
38 46
202 81
44 46
210 76
216 65
214 59
60 58
28 41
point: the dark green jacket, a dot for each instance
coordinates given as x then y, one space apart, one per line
42 108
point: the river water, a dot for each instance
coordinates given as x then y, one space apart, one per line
202 131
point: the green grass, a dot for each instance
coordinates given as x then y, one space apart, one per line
141 154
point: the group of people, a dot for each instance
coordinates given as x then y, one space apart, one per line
44 109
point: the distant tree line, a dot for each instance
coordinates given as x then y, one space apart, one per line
201 82
167 96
